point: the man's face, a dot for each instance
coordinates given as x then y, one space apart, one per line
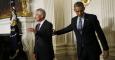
39 16
79 11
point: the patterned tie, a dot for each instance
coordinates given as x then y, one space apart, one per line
80 25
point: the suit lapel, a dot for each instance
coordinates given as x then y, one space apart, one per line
42 26
85 21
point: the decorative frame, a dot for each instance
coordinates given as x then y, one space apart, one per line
22 8
86 2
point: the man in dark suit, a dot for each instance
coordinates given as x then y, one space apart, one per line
43 49
85 25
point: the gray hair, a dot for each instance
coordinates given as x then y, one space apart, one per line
43 11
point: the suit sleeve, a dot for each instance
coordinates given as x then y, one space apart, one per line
64 30
100 34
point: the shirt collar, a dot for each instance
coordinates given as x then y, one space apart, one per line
82 16
41 22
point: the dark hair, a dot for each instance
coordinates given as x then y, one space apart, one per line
43 11
79 4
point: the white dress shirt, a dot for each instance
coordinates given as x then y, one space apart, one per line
82 19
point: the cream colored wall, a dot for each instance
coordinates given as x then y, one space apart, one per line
64 43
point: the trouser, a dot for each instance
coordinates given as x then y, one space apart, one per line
87 55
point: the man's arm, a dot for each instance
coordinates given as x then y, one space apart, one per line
100 34
102 37
64 30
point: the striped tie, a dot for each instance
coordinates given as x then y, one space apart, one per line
80 25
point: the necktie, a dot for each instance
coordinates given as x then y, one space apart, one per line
37 27
80 30
80 25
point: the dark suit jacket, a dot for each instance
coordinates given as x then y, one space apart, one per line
88 39
43 42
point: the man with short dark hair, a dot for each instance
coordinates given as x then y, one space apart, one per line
85 25
43 49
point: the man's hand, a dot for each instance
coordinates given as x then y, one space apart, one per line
105 54
53 32
34 57
31 29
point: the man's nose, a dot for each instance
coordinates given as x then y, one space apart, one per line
79 13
